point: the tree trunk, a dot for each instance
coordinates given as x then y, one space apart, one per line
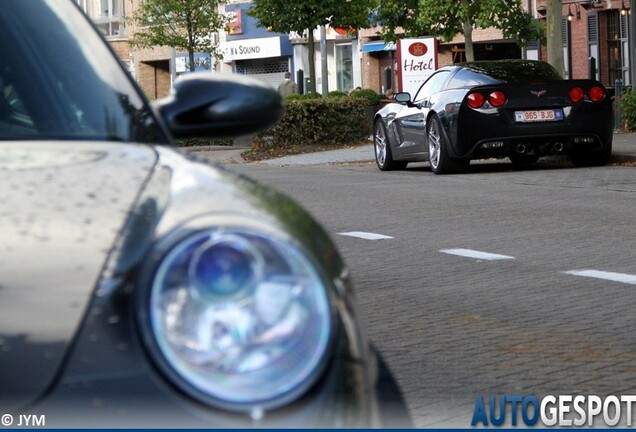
312 61
555 35
468 40
191 59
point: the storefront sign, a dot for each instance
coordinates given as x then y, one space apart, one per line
417 60
251 49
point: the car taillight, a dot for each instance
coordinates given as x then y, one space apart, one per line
475 100
497 98
596 94
576 94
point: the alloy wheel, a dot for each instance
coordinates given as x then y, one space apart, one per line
434 144
380 144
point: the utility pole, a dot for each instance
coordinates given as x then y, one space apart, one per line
323 61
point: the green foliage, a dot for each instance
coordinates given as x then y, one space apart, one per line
304 96
446 18
286 16
369 95
318 121
627 104
182 24
337 94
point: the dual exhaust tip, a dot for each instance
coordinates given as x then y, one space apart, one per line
524 149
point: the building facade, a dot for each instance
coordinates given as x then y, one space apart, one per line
596 39
595 35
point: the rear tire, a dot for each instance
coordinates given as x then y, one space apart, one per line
440 161
382 148
592 158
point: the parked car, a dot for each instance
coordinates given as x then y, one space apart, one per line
520 109
139 288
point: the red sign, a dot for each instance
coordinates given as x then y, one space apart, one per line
418 49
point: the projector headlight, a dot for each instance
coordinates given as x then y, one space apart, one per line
238 319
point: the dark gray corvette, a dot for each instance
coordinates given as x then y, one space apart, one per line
142 289
520 109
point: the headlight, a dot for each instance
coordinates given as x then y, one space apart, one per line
239 319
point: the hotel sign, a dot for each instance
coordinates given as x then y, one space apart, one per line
417 60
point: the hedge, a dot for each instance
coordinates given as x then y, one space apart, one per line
335 120
627 104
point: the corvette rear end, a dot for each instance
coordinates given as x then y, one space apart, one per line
572 117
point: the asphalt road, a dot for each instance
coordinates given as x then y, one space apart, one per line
550 312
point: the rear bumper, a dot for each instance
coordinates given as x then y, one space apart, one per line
538 145
587 127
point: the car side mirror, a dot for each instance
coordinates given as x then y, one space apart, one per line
403 98
213 105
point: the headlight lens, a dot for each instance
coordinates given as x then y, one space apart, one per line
241 319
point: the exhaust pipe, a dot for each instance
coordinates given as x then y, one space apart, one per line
521 148
558 147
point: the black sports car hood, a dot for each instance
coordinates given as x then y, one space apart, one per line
61 208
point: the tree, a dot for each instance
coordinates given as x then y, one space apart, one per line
303 16
182 24
447 18
554 35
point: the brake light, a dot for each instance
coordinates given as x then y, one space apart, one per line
497 98
596 94
475 100
576 94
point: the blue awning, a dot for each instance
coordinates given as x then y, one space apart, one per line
379 46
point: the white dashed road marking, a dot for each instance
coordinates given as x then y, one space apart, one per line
365 235
468 253
597 274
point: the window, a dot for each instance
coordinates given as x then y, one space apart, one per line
432 85
108 16
617 47
344 67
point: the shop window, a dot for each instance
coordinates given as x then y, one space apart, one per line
344 67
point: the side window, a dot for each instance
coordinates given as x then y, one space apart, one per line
432 85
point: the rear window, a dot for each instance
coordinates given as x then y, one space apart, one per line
513 71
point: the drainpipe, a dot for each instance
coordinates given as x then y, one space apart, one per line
632 44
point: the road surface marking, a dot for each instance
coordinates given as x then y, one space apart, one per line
615 277
365 235
468 253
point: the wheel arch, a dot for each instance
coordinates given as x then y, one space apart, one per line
441 115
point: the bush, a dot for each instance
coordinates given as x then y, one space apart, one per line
304 96
318 121
337 94
627 104
371 96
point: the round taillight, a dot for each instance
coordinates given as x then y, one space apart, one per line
576 94
596 94
497 98
475 100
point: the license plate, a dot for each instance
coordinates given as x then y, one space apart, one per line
538 116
